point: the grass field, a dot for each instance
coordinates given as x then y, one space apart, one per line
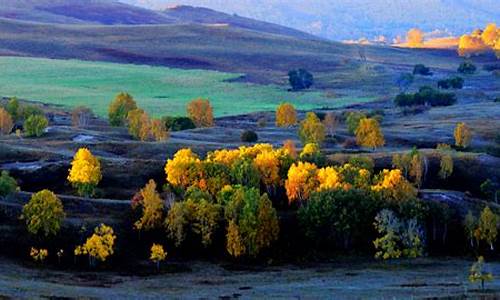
159 90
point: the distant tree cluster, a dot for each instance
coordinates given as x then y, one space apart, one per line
30 117
480 41
451 83
300 79
426 96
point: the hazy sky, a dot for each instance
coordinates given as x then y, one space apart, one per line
345 19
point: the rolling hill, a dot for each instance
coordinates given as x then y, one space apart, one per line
109 12
353 19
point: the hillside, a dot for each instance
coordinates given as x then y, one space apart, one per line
109 12
353 19
263 57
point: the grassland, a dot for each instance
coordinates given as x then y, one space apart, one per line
159 90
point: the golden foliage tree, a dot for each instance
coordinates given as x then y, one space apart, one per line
415 38
329 179
152 208
490 35
268 165
85 173
99 246
234 242
463 135
487 227
394 186
368 133
158 254
134 122
301 181
159 131
286 115
446 161
6 123
44 213
201 113
180 169
119 109
311 129
289 147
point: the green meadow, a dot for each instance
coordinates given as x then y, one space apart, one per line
159 90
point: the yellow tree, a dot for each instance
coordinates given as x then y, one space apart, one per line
44 213
415 38
463 135
201 113
394 186
6 122
99 246
119 109
85 172
179 170
159 131
152 208
302 180
368 134
268 165
329 178
134 121
286 115
158 254
311 129
487 226
490 34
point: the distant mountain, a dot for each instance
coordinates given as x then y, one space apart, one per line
110 12
353 19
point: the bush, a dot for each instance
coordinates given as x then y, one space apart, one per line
467 68
300 79
454 83
178 123
44 213
426 96
13 108
421 69
26 111
249 136
35 125
8 185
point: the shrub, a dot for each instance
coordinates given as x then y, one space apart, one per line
44 213
249 136
85 172
157 255
454 83
35 125
286 115
178 123
467 67
26 111
300 79
119 109
421 69
262 122
201 113
8 185
6 123
80 116
39 255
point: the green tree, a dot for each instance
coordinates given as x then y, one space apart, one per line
119 109
8 185
352 120
300 79
245 173
44 213
253 222
13 108
35 125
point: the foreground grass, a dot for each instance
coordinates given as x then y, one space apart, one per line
158 90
